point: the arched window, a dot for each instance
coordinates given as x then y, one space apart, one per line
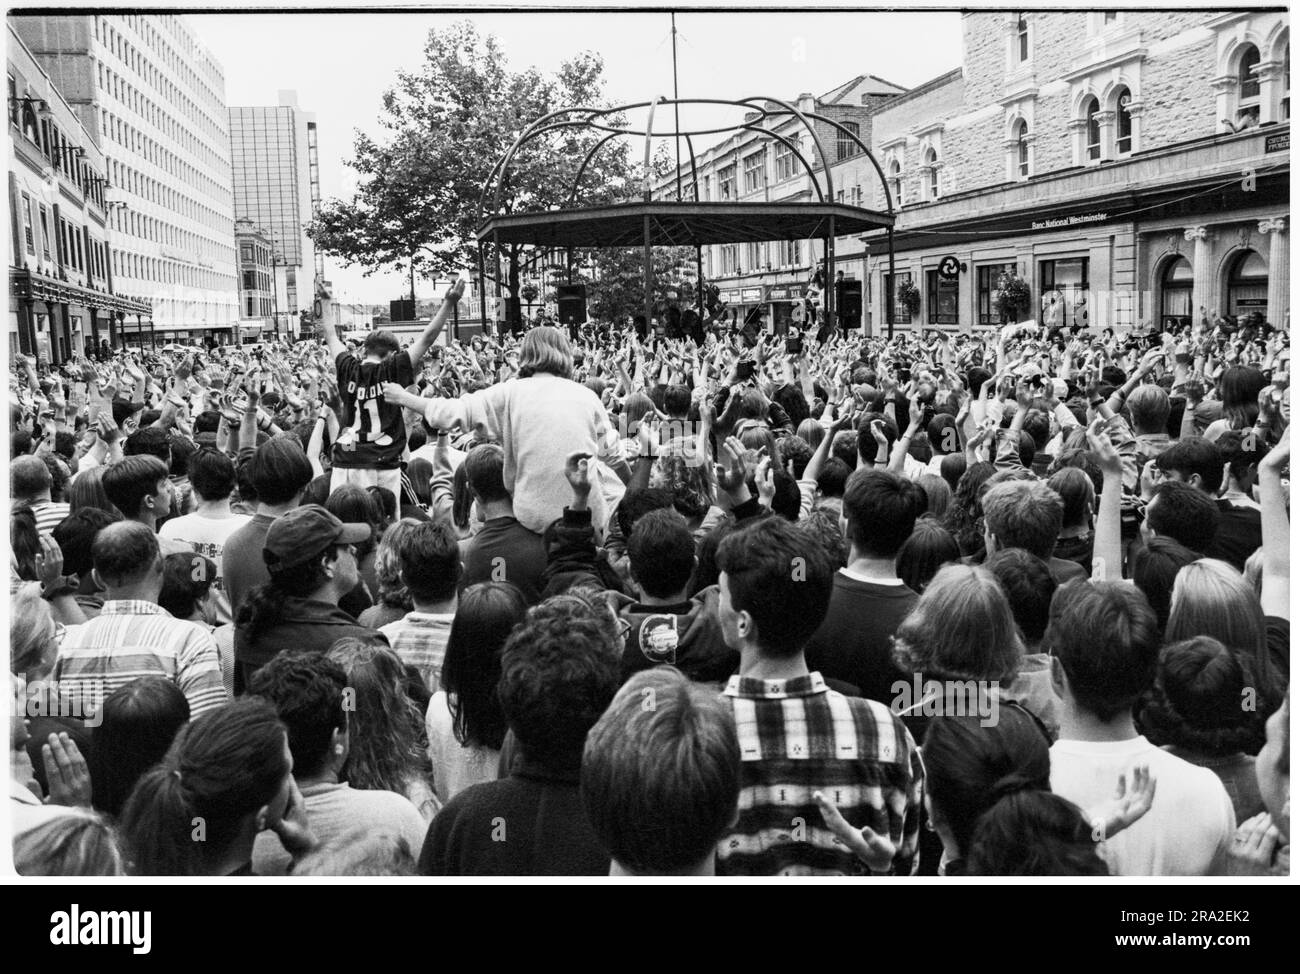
1176 294
1090 112
932 161
1022 38
1022 148
1247 284
1123 123
1248 85
896 182
1285 115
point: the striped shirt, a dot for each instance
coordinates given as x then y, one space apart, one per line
130 639
49 514
797 737
420 639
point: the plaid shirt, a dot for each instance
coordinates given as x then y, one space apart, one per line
130 639
420 640
797 737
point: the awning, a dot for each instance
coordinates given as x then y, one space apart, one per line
674 224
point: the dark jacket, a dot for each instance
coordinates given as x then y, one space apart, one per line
686 636
305 624
529 824
572 557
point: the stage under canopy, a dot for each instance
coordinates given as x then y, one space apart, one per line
675 224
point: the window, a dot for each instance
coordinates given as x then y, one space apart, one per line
896 182
727 182
844 145
45 233
246 251
27 225
1022 148
13 100
1022 38
1064 300
1176 294
1090 112
789 253
1248 86
753 172
940 300
932 162
1123 123
729 258
1247 284
250 280
902 315
784 162
1109 17
986 286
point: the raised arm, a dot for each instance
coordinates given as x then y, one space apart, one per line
332 340
441 414
1276 527
430 335
1107 552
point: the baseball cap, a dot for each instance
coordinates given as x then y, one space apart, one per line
304 533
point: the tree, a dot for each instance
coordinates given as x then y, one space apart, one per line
418 202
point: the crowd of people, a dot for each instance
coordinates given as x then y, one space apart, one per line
613 601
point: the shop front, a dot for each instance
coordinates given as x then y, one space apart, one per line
56 321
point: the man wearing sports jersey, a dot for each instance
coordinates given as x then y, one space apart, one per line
372 433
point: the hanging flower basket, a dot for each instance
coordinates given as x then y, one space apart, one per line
1011 298
909 297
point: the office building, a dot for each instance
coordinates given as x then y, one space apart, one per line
271 155
153 99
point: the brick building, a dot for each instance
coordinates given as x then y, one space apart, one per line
1131 167
749 166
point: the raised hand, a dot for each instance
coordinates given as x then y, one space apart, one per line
876 850
577 471
66 772
1132 800
765 481
1099 443
1253 847
730 468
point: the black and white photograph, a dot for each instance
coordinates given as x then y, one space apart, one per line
594 444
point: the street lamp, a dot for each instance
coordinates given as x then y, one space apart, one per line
42 106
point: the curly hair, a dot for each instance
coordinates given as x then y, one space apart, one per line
386 737
388 567
559 671
964 514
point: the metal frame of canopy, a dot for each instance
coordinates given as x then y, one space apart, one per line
676 222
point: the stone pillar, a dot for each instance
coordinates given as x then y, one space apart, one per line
1079 137
1270 91
1279 256
1106 128
1135 109
1201 284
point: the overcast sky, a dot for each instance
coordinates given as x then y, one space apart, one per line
340 63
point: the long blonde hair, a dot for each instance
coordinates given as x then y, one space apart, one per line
961 628
1211 598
